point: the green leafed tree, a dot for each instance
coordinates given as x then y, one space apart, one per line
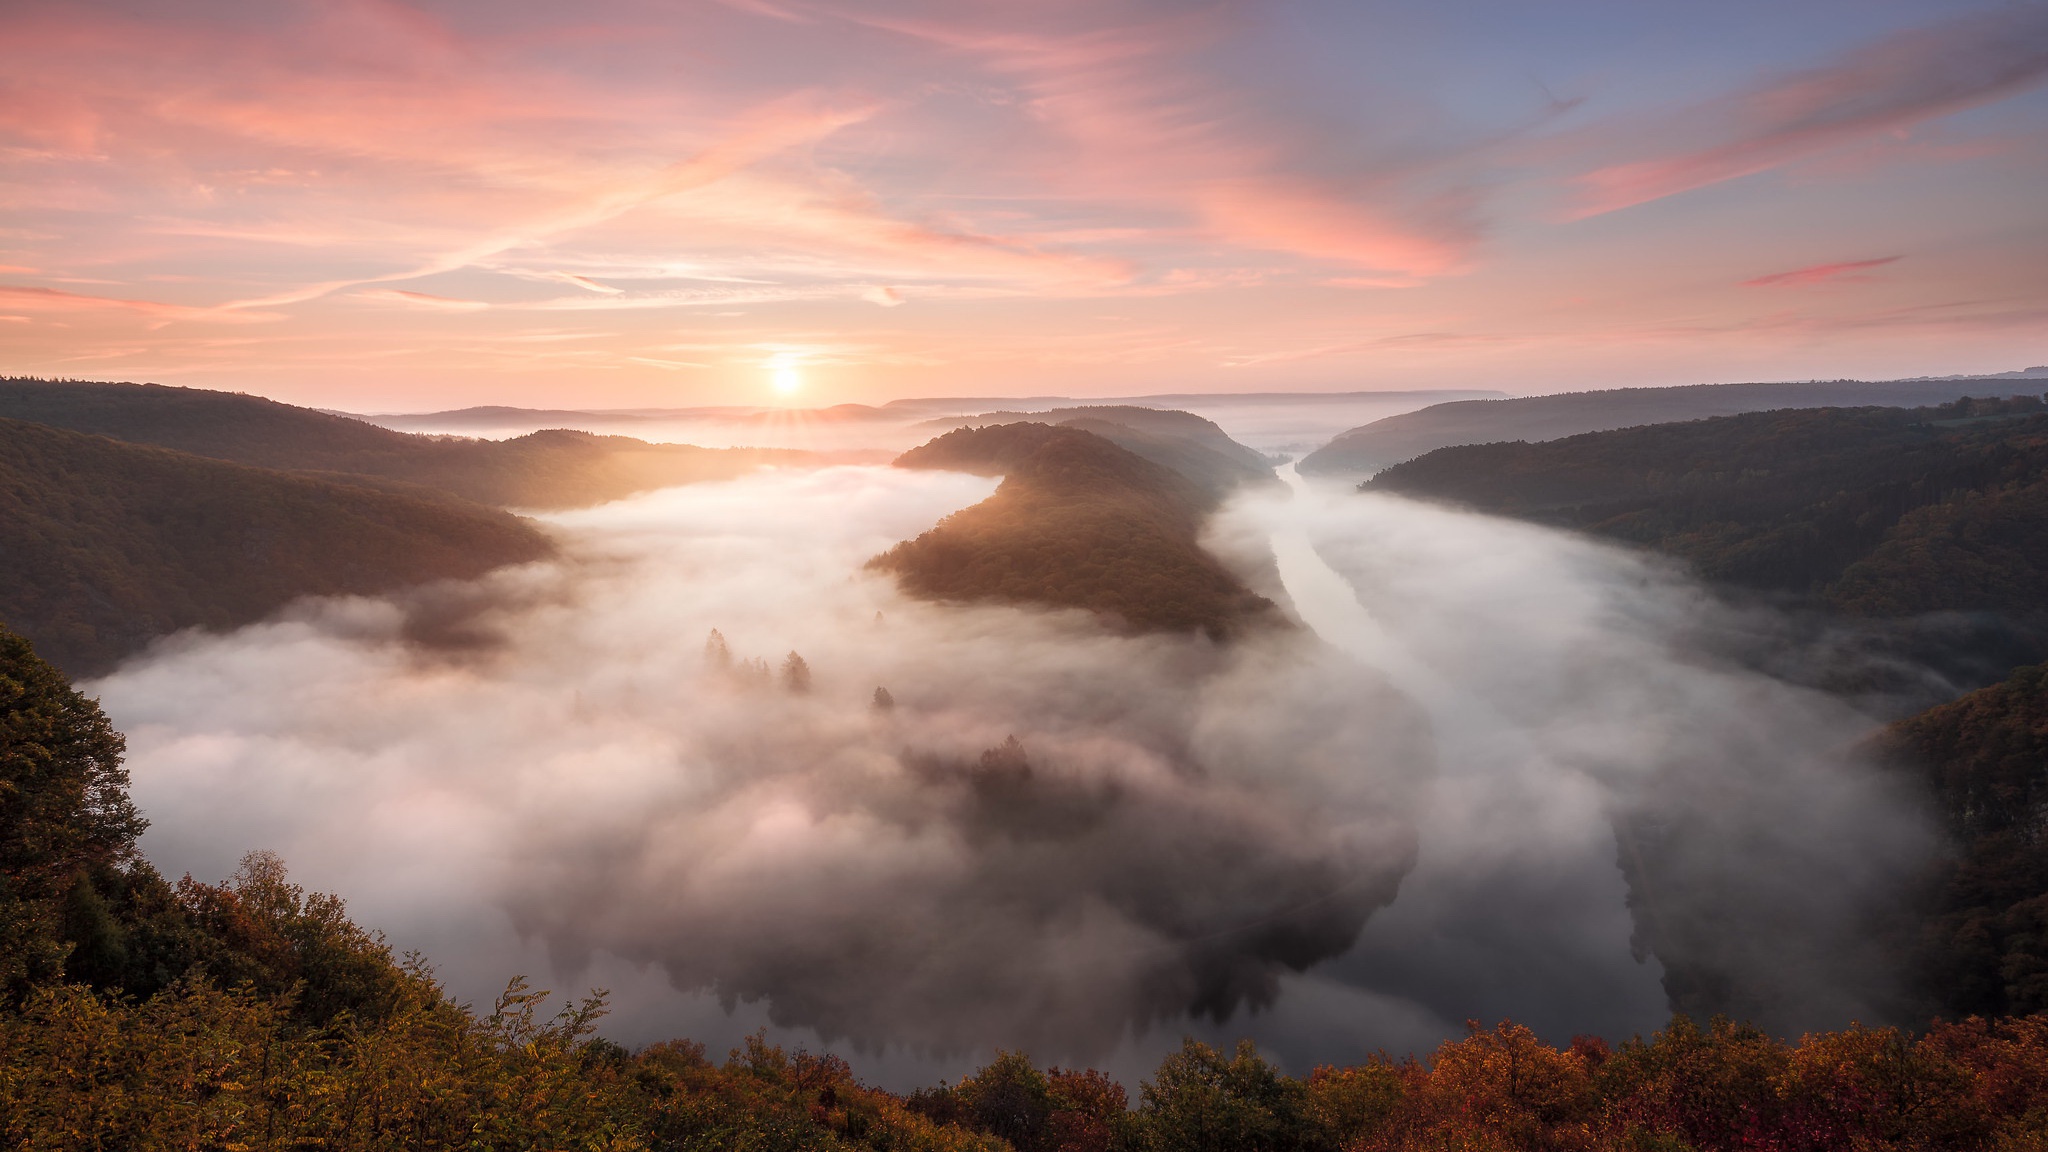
64 810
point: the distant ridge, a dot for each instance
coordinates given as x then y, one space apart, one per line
1384 443
501 416
550 469
1178 400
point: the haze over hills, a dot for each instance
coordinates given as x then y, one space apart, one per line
1079 521
548 469
1386 442
105 546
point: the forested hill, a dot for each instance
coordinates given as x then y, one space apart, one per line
552 469
106 545
1077 522
1982 948
1873 511
1384 443
1186 443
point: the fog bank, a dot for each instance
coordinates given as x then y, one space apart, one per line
1333 839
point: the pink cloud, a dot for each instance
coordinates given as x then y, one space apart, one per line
1886 86
1847 271
31 299
421 300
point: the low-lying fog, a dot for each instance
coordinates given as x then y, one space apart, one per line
1333 840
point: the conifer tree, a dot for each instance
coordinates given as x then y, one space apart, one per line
796 675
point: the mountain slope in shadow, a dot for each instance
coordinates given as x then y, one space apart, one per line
105 546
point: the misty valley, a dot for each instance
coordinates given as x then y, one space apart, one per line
981 748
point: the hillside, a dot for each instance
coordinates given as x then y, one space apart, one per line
552 469
1878 512
1180 441
1384 443
105 545
138 1013
1078 522
1983 947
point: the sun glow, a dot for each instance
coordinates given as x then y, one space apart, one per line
787 381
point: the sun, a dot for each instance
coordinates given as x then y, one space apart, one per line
787 381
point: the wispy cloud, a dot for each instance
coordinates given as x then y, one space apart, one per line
1892 84
1846 271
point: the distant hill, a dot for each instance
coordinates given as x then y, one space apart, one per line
1384 443
1078 522
1186 443
1873 511
105 546
500 416
553 469
1982 948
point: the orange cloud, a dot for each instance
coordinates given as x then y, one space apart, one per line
31 299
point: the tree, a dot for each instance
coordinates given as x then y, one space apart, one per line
796 675
64 809
883 701
717 656
1201 1102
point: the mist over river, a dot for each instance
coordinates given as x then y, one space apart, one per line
1333 839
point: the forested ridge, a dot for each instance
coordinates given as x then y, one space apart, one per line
559 468
1394 439
106 545
1078 522
1874 511
137 1013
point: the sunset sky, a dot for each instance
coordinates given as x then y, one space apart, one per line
390 206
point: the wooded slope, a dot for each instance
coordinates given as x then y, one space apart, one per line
1874 511
105 545
1384 443
551 469
1983 947
1078 522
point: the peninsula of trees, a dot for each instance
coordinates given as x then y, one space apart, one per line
1078 522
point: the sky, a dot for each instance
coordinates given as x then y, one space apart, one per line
377 205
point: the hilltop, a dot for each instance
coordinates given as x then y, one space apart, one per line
549 469
1078 522
105 546
1384 443
1180 441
